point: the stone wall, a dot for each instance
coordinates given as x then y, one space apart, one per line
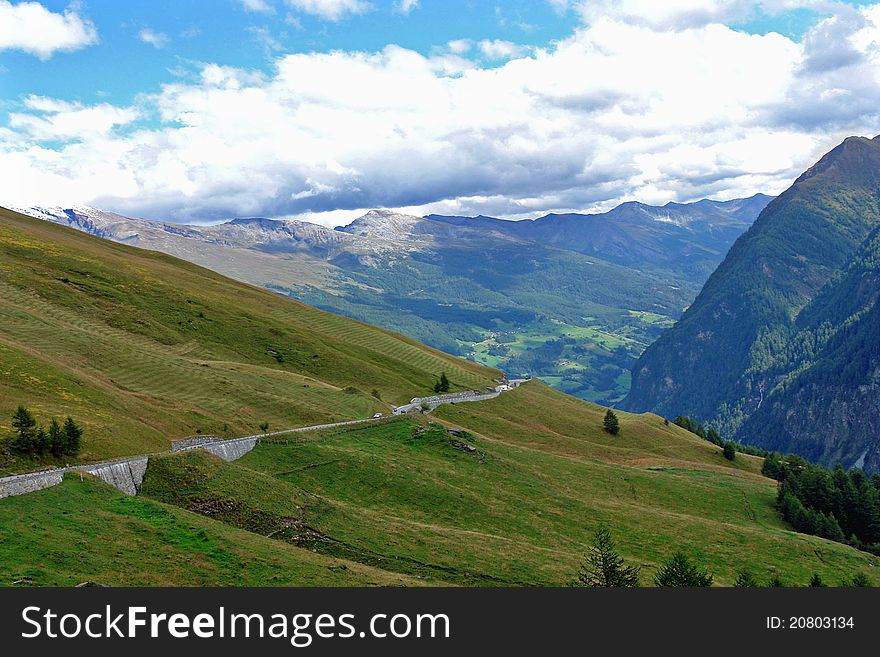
126 475
193 441
28 483
230 450
438 400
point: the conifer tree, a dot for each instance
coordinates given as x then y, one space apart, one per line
816 581
729 450
611 423
680 571
73 437
604 566
56 438
745 580
443 384
25 430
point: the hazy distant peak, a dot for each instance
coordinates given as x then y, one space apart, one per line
383 224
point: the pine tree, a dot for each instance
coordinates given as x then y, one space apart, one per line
57 439
679 571
611 423
25 430
860 580
443 384
73 434
729 450
816 581
41 441
745 580
604 566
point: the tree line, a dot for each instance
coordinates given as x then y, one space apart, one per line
729 447
56 439
604 567
832 503
828 502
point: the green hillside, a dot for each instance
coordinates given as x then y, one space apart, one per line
86 531
143 348
405 499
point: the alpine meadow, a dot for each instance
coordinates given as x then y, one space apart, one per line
431 299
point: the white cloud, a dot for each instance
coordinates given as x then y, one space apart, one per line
51 119
500 49
460 46
257 6
620 110
560 6
264 37
405 6
689 13
331 10
153 38
30 27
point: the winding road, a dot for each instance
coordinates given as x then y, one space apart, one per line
228 449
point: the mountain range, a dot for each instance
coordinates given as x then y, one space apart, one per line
143 348
780 348
572 299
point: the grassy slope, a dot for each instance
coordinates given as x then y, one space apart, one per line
143 348
518 511
87 531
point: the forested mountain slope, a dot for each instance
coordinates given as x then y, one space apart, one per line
791 301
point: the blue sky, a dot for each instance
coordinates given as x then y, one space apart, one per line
195 110
121 65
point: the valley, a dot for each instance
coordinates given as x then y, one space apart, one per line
520 296
146 349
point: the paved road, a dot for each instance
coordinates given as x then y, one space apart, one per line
59 472
433 402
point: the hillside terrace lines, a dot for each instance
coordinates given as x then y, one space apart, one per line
148 367
347 331
41 320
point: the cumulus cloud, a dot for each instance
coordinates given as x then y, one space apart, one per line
257 6
500 49
620 110
153 38
331 10
52 120
30 27
460 46
405 6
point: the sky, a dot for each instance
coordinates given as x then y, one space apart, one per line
199 111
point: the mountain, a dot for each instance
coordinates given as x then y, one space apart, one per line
143 348
690 238
827 404
779 348
512 295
